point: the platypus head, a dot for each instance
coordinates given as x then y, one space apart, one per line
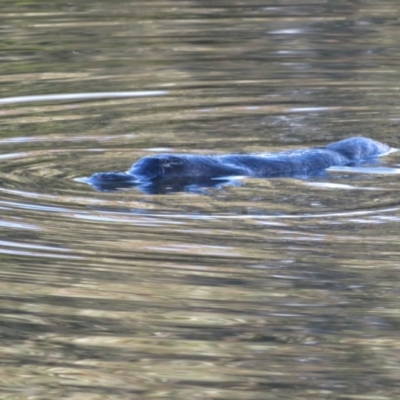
359 148
159 167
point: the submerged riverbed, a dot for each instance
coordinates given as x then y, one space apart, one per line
262 289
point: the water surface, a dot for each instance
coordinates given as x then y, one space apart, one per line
280 288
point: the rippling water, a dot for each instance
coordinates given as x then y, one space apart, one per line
267 289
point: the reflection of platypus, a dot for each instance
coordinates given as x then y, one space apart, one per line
181 170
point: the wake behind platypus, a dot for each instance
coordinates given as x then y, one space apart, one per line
180 171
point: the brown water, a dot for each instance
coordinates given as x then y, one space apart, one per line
271 289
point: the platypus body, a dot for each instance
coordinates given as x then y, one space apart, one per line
184 169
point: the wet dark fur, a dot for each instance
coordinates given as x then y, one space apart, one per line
184 169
